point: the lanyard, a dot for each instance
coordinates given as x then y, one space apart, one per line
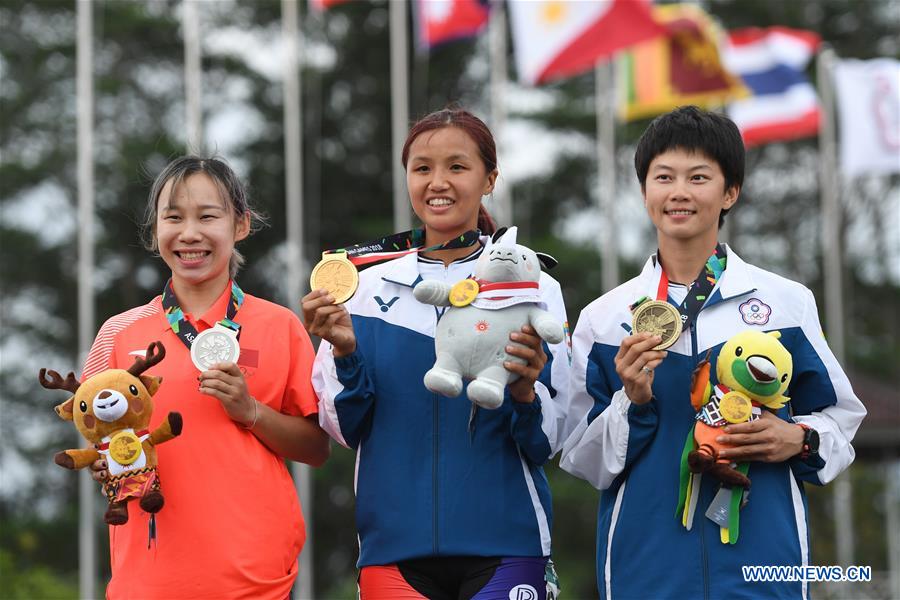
699 290
183 328
401 244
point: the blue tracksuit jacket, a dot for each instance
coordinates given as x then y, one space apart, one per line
632 452
425 485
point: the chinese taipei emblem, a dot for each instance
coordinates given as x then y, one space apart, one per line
755 312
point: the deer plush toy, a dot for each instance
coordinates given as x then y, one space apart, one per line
112 410
472 335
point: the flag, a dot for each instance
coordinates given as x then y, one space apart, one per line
868 95
683 68
322 5
442 21
783 105
561 38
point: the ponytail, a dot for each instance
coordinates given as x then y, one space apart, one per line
486 222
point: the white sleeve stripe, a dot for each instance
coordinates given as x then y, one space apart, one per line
101 350
539 513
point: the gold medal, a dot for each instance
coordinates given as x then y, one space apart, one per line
336 274
463 292
659 318
125 447
735 407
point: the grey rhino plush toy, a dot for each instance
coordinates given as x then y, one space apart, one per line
471 339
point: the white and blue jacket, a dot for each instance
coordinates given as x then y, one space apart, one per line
426 483
632 452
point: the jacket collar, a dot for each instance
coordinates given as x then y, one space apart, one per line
737 280
405 270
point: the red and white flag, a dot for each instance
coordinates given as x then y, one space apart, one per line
771 62
321 5
442 21
554 39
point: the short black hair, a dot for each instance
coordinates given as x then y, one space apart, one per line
692 129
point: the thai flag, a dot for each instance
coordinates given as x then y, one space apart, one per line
771 62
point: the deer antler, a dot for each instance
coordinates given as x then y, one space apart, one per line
56 382
155 353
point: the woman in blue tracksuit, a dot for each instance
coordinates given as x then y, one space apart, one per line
450 503
631 406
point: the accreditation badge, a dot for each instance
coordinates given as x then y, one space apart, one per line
214 345
336 274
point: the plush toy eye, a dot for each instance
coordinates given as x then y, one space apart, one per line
784 378
83 406
738 351
133 390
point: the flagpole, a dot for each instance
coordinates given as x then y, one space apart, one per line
293 175
502 197
892 513
192 77
399 110
87 488
604 96
829 185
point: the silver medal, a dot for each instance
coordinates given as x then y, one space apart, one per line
215 345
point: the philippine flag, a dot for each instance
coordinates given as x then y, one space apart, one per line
554 39
771 62
322 5
447 20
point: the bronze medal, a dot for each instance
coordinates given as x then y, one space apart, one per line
735 407
659 318
463 292
125 447
336 274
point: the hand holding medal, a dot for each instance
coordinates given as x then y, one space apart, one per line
336 274
657 318
335 279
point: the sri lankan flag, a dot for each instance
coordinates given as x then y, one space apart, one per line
681 68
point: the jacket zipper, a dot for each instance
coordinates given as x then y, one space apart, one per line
434 457
703 554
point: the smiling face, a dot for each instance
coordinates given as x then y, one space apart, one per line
446 179
684 193
196 231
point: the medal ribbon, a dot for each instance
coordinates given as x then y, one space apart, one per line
401 244
699 290
183 328
499 290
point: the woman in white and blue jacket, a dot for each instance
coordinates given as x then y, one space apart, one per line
449 503
632 402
